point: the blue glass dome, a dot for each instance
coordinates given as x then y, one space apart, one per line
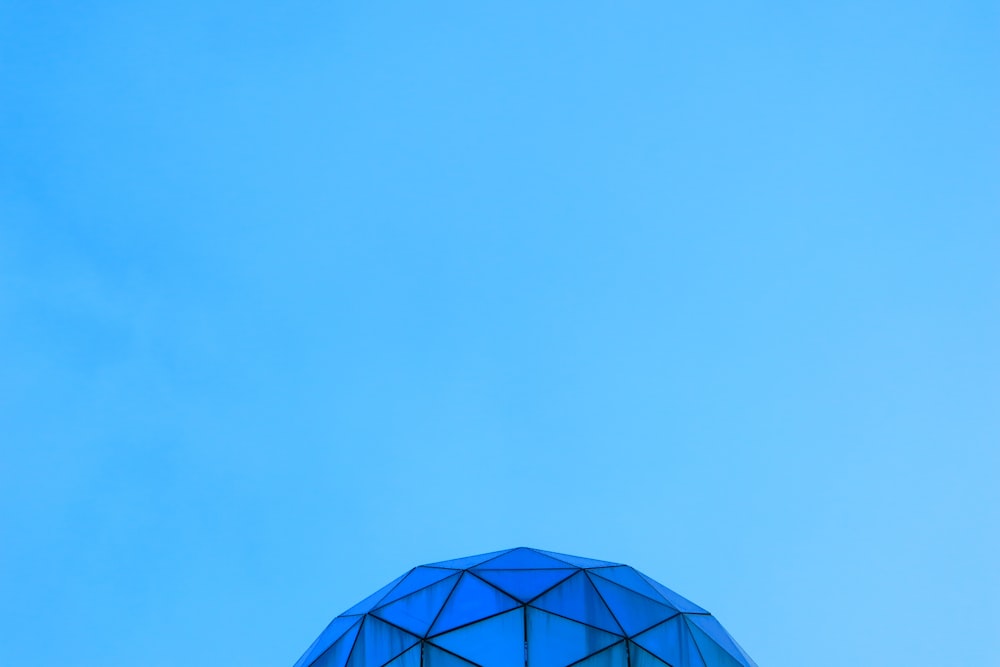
525 608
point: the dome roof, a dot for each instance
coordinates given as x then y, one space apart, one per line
525 608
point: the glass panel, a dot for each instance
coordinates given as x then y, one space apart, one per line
416 579
378 643
577 599
366 605
634 612
680 602
690 647
332 633
554 641
630 579
521 559
707 630
643 658
524 584
672 643
713 654
468 561
576 560
435 657
611 657
472 600
410 658
495 642
418 610
336 655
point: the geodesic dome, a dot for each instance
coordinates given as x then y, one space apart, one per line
525 608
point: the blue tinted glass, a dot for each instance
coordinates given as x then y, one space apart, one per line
410 658
554 641
468 561
435 657
418 610
366 605
577 605
576 560
332 633
634 612
495 642
471 600
521 559
576 598
378 643
416 579
642 658
609 657
630 579
690 648
524 584
672 643
336 655
713 654
675 600
705 630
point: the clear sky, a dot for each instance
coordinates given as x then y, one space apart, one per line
297 295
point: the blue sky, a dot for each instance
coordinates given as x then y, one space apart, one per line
295 296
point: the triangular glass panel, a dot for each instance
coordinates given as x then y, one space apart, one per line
554 641
576 561
417 611
334 655
713 654
366 605
495 642
576 598
472 600
435 657
379 643
675 600
410 658
468 561
672 643
687 639
630 579
524 584
616 656
417 578
634 612
707 629
521 559
643 658
332 633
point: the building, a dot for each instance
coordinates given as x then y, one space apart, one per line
525 608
